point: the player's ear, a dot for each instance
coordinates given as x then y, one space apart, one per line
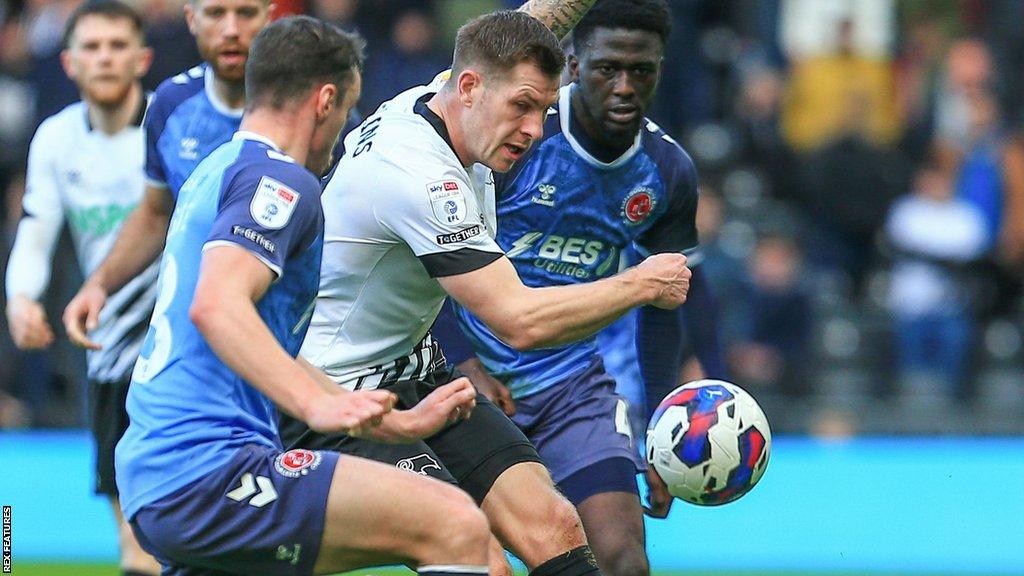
466 84
65 62
190 16
574 67
144 62
327 98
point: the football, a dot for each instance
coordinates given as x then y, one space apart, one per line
709 441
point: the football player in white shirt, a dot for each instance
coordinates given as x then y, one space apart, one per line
85 165
409 217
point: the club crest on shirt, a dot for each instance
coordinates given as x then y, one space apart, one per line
447 201
638 205
273 203
298 462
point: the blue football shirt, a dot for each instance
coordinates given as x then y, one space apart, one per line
189 412
565 217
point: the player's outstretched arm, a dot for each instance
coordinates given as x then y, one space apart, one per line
231 281
561 16
138 245
528 318
28 273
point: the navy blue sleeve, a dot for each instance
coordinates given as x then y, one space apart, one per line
661 334
676 229
271 208
153 127
449 335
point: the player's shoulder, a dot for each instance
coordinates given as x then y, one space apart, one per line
177 89
72 117
258 159
668 154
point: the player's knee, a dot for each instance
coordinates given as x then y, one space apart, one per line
464 530
563 529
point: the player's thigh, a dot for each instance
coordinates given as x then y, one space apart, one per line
577 425
481 448
377 514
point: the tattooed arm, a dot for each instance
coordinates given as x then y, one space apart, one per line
558 15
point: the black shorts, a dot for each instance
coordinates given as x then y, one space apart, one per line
472 453
109 420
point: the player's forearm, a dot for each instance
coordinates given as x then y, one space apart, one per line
138 244
557 315
561 16
236 333
28 269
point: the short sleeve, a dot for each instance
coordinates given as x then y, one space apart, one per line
153 127
676 229
440 220
270 208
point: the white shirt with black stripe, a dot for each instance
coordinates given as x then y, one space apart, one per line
93 181
400 211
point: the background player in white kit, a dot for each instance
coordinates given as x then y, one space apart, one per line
85 167
409 216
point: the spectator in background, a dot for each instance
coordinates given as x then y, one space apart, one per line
53 89
772 348
409 58
936 237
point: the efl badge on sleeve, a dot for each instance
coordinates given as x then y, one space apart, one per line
447 201
273 203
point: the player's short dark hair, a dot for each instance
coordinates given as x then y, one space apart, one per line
294 54
647 15
500 40
113 9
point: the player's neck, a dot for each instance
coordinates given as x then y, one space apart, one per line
231 94
446 109
588 133
112 119
290 132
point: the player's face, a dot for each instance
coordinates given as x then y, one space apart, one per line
105 57
509 116
617 72
325 137
224 29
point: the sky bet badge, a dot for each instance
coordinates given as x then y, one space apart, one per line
273 203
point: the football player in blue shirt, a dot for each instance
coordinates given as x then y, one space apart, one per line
203 477
603 179
189 116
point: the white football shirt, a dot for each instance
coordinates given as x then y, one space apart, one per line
93 181
399 212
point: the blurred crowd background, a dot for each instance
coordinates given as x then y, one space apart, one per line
862 208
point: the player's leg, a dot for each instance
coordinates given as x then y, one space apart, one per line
109 421
377 514
496 464
609 505
304 512
581 431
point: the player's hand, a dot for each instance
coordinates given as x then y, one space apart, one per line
445 405
488 385
82 315
668 278
27 321
351 413
659 501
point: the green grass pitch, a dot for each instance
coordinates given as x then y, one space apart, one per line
111 570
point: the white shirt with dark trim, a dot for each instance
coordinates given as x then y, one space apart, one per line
93 181
400 212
